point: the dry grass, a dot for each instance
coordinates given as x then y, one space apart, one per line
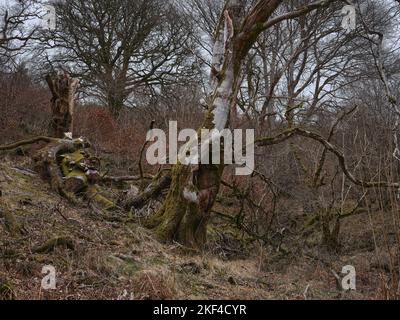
112 260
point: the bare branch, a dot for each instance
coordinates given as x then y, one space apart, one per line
330 147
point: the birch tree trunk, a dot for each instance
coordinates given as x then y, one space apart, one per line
187 208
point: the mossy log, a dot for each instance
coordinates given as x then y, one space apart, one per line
75 181
48 164
72 171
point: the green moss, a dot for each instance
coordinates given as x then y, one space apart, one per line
70 161
208 122
94 194
166 222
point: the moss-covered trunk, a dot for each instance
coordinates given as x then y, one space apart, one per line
187 208
194 189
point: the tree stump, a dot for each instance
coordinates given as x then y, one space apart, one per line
63 89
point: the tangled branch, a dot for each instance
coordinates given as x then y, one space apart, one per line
267 141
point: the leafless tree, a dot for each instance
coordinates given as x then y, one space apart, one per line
118 47
18 27
183 218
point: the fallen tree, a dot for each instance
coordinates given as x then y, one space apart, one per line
72 171
69 168
65 162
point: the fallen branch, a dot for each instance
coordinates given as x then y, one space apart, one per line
13 146
24 171
94 195
151 192
126 178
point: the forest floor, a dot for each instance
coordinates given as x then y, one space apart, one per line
113 258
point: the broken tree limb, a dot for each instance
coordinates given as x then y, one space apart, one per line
63 89
152 191
126 178
13 146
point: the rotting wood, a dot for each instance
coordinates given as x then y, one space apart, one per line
63 88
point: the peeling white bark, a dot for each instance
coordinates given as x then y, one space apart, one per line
222 75
221 107
68 135
218 53
190 196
